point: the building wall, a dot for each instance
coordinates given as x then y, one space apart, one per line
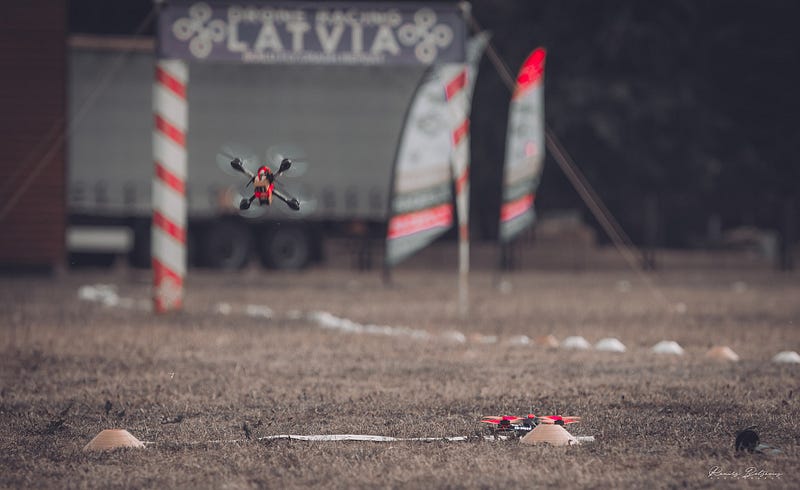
32 124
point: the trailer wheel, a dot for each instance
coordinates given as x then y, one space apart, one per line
226 245
140 256
83 259
286 247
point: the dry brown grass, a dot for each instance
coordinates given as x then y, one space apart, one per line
659 421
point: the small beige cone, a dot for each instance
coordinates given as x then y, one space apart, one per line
552 434
668 347
113 439
722 353
546 341
787 356
610 345
576 342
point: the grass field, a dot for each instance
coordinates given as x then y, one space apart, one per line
202 386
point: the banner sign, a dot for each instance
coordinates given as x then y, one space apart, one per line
422 187
524 148
354 33
421 205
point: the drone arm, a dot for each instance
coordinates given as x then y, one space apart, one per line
237 164
290 201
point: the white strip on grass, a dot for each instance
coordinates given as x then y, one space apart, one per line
483 339
106 294
371 438
358 437
258 311
223 308
455 336
329 321
99 293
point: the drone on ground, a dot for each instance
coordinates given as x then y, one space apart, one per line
518 426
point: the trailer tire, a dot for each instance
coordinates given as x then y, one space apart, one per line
96 259
226 245
286 247
140 256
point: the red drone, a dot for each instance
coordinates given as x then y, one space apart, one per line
512 423
264 184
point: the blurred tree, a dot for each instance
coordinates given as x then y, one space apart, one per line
688 100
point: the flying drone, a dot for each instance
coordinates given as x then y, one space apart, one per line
236 159
264 184
522 425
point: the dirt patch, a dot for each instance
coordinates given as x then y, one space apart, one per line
188 382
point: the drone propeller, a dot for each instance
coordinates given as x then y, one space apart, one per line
253 212
237 165
278 154
286 164
232 152
501 419
539 419
558 419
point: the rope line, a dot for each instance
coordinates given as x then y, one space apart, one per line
352 437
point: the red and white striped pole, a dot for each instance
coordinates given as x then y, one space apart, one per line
458 101
169 184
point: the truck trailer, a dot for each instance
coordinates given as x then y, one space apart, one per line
346 120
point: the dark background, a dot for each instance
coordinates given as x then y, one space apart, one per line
692 102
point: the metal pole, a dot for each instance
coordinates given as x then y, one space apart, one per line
169 184
651 226
458 103
788 235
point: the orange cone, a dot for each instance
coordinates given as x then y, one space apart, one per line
552 434
722 353
113 439
546 341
